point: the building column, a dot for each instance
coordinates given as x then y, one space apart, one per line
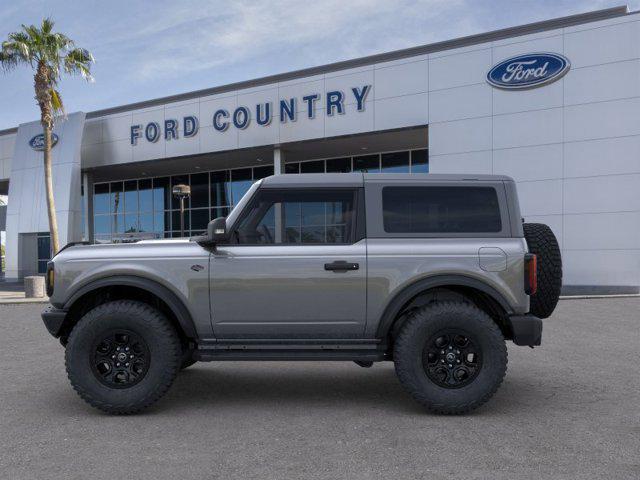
278 169
87 205
278 161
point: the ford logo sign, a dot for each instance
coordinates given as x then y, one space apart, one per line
528 71
37 142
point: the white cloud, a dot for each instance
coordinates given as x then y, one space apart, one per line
152 48
202 35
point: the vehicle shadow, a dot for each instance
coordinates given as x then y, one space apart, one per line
272 384
320 385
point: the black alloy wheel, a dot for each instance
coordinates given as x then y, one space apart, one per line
120 359
451 359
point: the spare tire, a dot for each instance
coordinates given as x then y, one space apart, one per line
543 243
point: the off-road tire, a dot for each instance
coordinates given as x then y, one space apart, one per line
543 243
147 323
427 321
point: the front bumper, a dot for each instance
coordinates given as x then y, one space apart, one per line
53 319
526 330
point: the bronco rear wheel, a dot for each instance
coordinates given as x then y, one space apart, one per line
450 356
122 356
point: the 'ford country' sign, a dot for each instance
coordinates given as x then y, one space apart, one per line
528 71
37 142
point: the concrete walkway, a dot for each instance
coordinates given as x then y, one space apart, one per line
13 292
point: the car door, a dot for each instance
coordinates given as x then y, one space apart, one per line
295 267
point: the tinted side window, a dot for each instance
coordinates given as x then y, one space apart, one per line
298 217
441 210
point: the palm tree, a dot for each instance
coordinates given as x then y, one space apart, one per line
49 54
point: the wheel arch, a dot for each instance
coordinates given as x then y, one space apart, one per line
422 291
131 287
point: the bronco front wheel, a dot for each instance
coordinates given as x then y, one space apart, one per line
450 356
122 356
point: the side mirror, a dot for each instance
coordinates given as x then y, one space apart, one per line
216 233
217 230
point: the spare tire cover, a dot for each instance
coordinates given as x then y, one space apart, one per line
543 243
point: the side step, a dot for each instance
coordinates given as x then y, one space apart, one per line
288 350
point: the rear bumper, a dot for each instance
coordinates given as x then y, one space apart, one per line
526 329
53 319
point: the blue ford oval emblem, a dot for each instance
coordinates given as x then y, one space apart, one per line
37 142
528 71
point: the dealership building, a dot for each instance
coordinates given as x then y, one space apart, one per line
553 104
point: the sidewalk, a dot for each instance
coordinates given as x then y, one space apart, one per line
13 292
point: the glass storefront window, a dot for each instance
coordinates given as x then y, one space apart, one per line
341 165
116 197
175 221
199 220
117 224
160 222
131 196
145 222
101 198
131 223
179 180
102 225
161 194
220 189
145 195
219 212
366 163
292 168
312 167
200 190
261 172
420 161
44 251
241 180
396 162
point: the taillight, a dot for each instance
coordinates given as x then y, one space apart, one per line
49 279
530 274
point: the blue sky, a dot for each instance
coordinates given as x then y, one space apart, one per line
149 49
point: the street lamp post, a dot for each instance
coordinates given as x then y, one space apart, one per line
181 192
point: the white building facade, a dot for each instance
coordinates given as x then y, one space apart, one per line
555 105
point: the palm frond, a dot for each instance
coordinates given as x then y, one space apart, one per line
78 61
56 101
47 25
48 53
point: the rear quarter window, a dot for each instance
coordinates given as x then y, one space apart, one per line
441 209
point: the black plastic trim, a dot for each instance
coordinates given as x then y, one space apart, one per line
527 330
53 319
289 355
167 296
395 305
73 244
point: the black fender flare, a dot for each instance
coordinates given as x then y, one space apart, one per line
176 305
394 307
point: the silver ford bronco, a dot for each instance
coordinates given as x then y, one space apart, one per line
432 272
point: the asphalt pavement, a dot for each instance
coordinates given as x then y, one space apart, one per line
569 409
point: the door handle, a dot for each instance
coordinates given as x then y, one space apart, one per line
341 266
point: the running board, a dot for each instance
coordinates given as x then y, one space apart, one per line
290 350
